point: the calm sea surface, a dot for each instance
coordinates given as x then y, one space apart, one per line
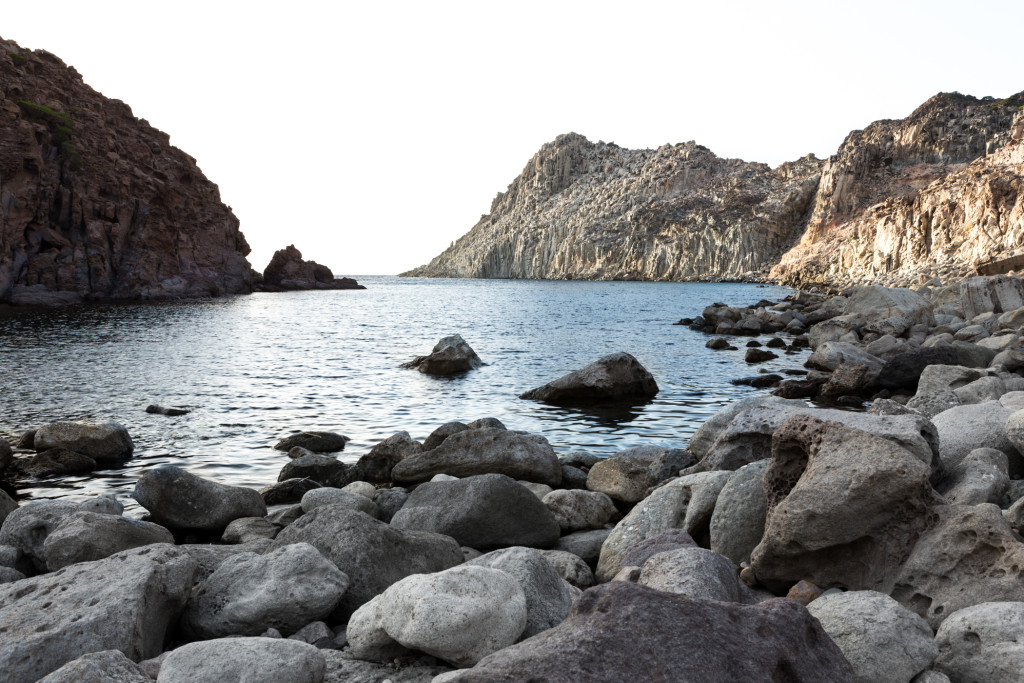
257 368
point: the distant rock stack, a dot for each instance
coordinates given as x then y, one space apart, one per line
287 271
97 203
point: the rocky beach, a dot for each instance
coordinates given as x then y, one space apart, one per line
788 540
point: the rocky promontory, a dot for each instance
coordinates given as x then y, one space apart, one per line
935 194
97 204
287 271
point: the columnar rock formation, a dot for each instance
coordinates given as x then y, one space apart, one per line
901 201
96 203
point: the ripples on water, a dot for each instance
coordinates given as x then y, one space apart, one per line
257 368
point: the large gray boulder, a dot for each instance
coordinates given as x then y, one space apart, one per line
624 632
844 506
666 541
830 355
873 303
570 567
178 499
967 556
981 425
737 524
325 470
104 442
244 659
982 643
628 475
317 442
285 589
485 451
460 615
744 437
696 573
616 377
382 458
27 527
578 510
450 356
883 641
548 598
106 666
686 503
125 602
981 477
210 556
483 512
372 554
88 536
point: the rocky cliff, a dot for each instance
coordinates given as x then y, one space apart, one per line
900 201
95 203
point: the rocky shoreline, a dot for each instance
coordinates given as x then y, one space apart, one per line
788 540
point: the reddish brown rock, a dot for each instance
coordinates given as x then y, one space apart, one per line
97 203
287 271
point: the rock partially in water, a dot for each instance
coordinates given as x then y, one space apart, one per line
105 442
325 470
154 409
56 461
450 356
180 500
382 458
317 442
616 377
287 271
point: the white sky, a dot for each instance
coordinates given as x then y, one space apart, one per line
372 134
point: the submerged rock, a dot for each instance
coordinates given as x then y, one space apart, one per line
616 377
106 442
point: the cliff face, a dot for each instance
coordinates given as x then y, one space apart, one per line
900 201
95 203
584 210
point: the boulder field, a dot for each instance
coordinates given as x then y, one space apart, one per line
788 540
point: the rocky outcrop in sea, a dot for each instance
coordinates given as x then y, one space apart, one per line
97 204
900 202
287 271
789 540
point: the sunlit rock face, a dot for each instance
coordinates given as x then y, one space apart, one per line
933 194
900 202
597 211
97 204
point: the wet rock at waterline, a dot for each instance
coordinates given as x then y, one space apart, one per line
106 442
180 500
382 458
450 356
317 442
616 377
154 409
325 470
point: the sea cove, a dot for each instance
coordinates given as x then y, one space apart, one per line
257 368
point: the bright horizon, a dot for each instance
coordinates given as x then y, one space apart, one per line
371 136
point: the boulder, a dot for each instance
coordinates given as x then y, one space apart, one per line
244 659
577 510
616 377
57 461
210 556
873 303
325 470
981 425
26 528
539 490
104 442
288 271
287 491
382 458
628 475
570 567
686 503
125 602
6 454
178 499
848 380
967 556
317 442
372 554
625 632
758 356
843 507
247 529
982 643
696 573
585 544
737 524
248 593
485 451
106 666
547 596
331 496
88 536
389 502
666 541
831 355
442 433
362 488
7 506
883 641
483 512
450 356
981 477
904 370
460 615
154 409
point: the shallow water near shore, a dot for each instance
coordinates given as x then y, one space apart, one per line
254 369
